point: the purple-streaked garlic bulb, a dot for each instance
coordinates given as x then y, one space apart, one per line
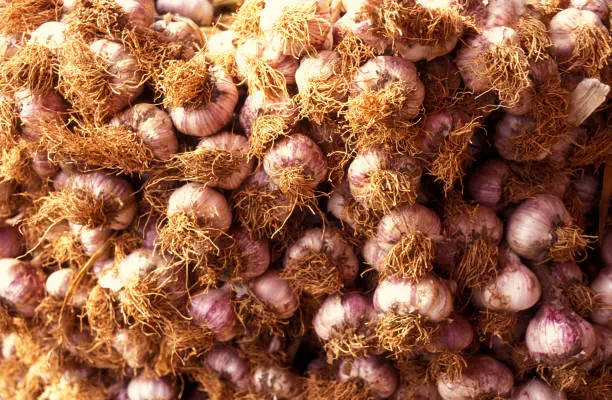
149 387
515 287
353 23
321 261
379 377
140 13
213 309
58 285
276 293
201 203
342 206
484 376
536 389
22 288
296 164
139 264
148 231
586 187
250 256
380 181
602 355
606 249
44 167
602 286
227 363
208 118
153 125
280 383
404 242
386 72
10 242
258 104
557 335
179 30
541 228
296 27
134 349
342 317
92 239
37 110
486 184
580 39
9 345
199 11
455 334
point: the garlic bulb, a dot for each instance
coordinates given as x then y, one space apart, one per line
602 286
9 46
599 7
276 293
10 242
153 125
535 389
200 202
277 382
139 12
22 288
416 391
134 349
144 387
200 11
258 104
44 167
227 363
51 35
340 313
35 109
374 372
179 30
213 309
486 184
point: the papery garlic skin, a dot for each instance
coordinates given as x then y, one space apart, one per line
21 287
145 387
139 12
536 389
429 297
556 335
226 362
35 109
51 35
563 28
276 293
42 166
254 254
475 222
153 125
375 372
200 11
200 202
599 7
209 118
483 376
486 184
92 239
213 309
602 286
9 46
58 283
10 242
515 288
178 30
255 51
455 334
257 104
277 382
340 312
134 350
330 242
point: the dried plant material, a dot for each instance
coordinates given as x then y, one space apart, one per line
90 145
400 333
582 299
182 343
446 365
450 162
388 189
101 315
78 389
567 377
6 321
351 343
257 319
33 68
295 26
24 16
528 179
246 20
322 386
266 130
296 183
156 191
13 371
598 386
187 83
93 19
477 266
214 385
569 244
593 150
592 48
315 275
496 324
53 246
534 37
585 99
263 77
410 258
264 212
9 121
16 163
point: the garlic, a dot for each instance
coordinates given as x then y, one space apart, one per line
599 7
486 184
148 387
200 11
535 389
275 293
340 313
227 363
22 288
180 30
51 35
416 391
258 104
134 348
10 242
9 46
277 382
585 99
36 109
375 372
44 167
602 286
139 12
213 309
200 202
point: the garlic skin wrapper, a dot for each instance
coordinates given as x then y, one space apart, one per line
153 125
58 284
148 387
276 293
9 46
200 11
536 389
514 289
342 312
254 254
10 242
36 109
91 239
51 35
200 202
483 376
599 7
213 309
258 104
140 13
225 361
209 118
252 52
44 167
178 30
135 350
486 184
602 286
565 28
376 373
21 287
139 264
557 335
455 334
277 382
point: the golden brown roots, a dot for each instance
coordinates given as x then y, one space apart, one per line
33 67
8 121
592 49
209 166
97 19
594 149
446 365
294 27
13 372
297 184
83 81
528 179
401 333
410 258
534 38
6 321
597 386
186 83
24 16
262 77
388 189
265 130
53 249
15 163
478 264
375 118
496 324
256 318
568 377
582 298
350 343
569 244
110 147
100 311
324 387
315 274
190 242
64 389
182 342
246 20
507 70
156 191
214 385
449 164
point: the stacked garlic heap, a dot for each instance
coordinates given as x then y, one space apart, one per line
305 199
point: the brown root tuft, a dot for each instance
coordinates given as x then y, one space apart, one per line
215 387
389 189
478 264
534 38
24 16
323 387
6 321
598 386
100 311
350 343
293 27
257 319
447 365
567 377
527 179
582 298
262 77
569 244
496 324
187 83
15 163
592 49
209 166
13 371
33 67
401 333
265 130
594 149
314 274
246 20
297 184
97 19
410 258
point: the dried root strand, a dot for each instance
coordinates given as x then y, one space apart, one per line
453 155
257 319
297 184
534 38
507 70
567 377
598 386
496 324
323 387
203 165
400 333
410 258
314 274
569 244
64 389
13 371
15 163
528 179
389 189
478 264
110 147
33 67
181 344
187 83
9 121
24 16
97 19
262 77
265 130
350 343
245 22
592 49
594 149
582 298
293 27
52 249
100 312
212 383
447 365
